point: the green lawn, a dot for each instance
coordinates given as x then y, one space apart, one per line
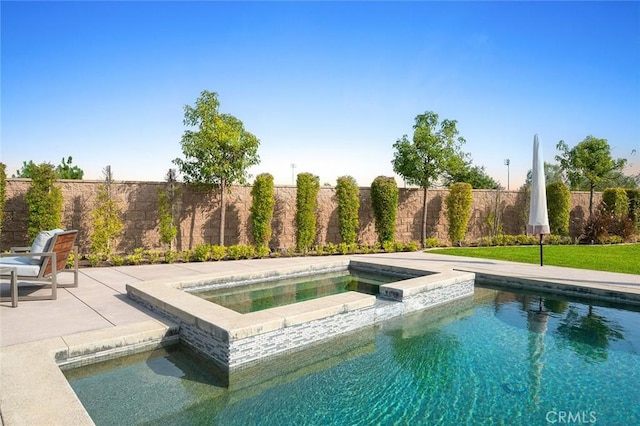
615 258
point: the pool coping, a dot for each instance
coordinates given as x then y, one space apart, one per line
34 388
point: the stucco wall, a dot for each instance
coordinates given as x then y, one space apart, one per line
198 214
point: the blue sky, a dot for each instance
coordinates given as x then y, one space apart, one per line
327 86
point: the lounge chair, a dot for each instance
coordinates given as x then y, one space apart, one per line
42 262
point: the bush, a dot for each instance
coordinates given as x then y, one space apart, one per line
308 187
93 259
458 204
137 257
240 251
389 246
201 253
153 256
398 246
412 246
262 251
169 256
611 219
348 196
431 243
634 208
262 202
331 248
526 240
384 200
44 201
485 242
615 202
558 207
554 239
343 248
218 252
183 256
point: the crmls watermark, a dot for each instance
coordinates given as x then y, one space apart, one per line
581 417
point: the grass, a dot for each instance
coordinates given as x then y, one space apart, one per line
611 258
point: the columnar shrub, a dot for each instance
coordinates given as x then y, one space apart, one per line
262 202
44 201
384 201
558 207
3 191
617 215
348 196
106 220
168 230
615 202
459 203
634 207
308 187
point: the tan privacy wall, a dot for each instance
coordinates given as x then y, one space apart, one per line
198 213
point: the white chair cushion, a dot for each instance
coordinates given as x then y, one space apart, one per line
22 264
41 244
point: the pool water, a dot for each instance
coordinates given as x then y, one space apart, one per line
269 294
501 357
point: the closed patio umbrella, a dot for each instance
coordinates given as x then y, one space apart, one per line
538 217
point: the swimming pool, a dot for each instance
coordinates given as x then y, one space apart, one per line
500 357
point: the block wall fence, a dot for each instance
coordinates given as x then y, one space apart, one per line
197 214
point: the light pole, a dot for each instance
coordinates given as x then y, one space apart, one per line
293 173
506 163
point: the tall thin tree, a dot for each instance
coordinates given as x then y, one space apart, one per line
433 151
218 150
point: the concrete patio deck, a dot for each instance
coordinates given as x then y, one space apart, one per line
100 301
101 307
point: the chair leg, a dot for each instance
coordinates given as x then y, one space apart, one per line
54 278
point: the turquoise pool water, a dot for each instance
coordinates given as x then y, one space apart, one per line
498 358
269 294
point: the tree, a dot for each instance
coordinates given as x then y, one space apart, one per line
589 160
218 152
66 171
432 152
26 172
552 174
106 220
474 176
166 199
44 201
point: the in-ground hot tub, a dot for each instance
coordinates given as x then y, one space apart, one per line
233 340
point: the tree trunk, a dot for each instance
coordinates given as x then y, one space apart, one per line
223 189
423 234
591 186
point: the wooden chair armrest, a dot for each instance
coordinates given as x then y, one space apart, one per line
46 254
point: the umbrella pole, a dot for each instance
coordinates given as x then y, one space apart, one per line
540 249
